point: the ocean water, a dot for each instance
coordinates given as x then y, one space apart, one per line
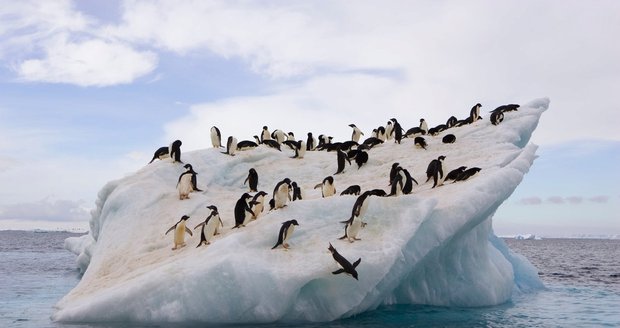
582 278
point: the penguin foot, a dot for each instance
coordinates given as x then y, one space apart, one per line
285 246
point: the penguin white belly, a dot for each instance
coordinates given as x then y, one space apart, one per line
302 150
233 147
215 141
281 196
288 233
179 234
363 208
185 186
354 228
257 209
211 228
356 136
328 190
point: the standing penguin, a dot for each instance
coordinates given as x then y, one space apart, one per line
286 231
216 137
296 191
179 232
187 182
278 136
231 146
209 226
347 267
258 204
342 157
393 172
389 128
409 180
352 228
327 187
252 179
281 193
175 151
474 113
311 143
265 135
435 170
398 131
423 126
397 183
300 149
357 133
242 211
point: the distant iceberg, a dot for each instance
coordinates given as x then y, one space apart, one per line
434 246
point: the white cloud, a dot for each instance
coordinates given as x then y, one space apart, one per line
47 210
88 63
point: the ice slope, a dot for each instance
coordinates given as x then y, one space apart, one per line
434 246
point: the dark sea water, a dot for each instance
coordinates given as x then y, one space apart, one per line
582 277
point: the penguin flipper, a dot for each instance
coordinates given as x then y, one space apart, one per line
339 271
199 224
356 263
171 228
189 231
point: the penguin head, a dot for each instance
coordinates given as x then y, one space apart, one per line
294 184
331 248
441 158
260 193
188 168
265 127
395 165
310 134
329 179
177 143
212 208
294 222
421 120
287 181
478 105
291 134
245 196
257 139
184 217
252 170
352 125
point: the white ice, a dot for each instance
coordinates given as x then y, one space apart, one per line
434 246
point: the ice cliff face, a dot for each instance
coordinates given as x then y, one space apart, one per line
434 246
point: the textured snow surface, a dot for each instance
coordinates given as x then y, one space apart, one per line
434 246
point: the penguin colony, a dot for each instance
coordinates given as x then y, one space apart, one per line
248 208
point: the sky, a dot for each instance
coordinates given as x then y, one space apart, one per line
89 89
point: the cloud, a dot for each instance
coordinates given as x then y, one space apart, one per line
574 200
599 199
556 200
530 201
88 63
47 210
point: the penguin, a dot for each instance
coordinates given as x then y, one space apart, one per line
352 228
397 130
265 135
409 180
311 143
258 202
381 133
278 136
361 158
467 174
506 108
423 126
252 179
393 172
327 187
357 133
374 133
389 127
371 142
281 193
397 183
216 137
436 130
187 182
346 266
160 153
231 146
413 131
361 203
292 144
246 144
285 233
352 190
378 192
497 118
243 211
342 157
179 232
272 144
175 151
435 170
474 113
420 142
451 122
448 138
300 149
322 140
209 226
296 191
347 145
455 173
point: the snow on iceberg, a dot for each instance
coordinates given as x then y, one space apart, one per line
434 246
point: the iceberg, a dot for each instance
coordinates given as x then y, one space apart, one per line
434 246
